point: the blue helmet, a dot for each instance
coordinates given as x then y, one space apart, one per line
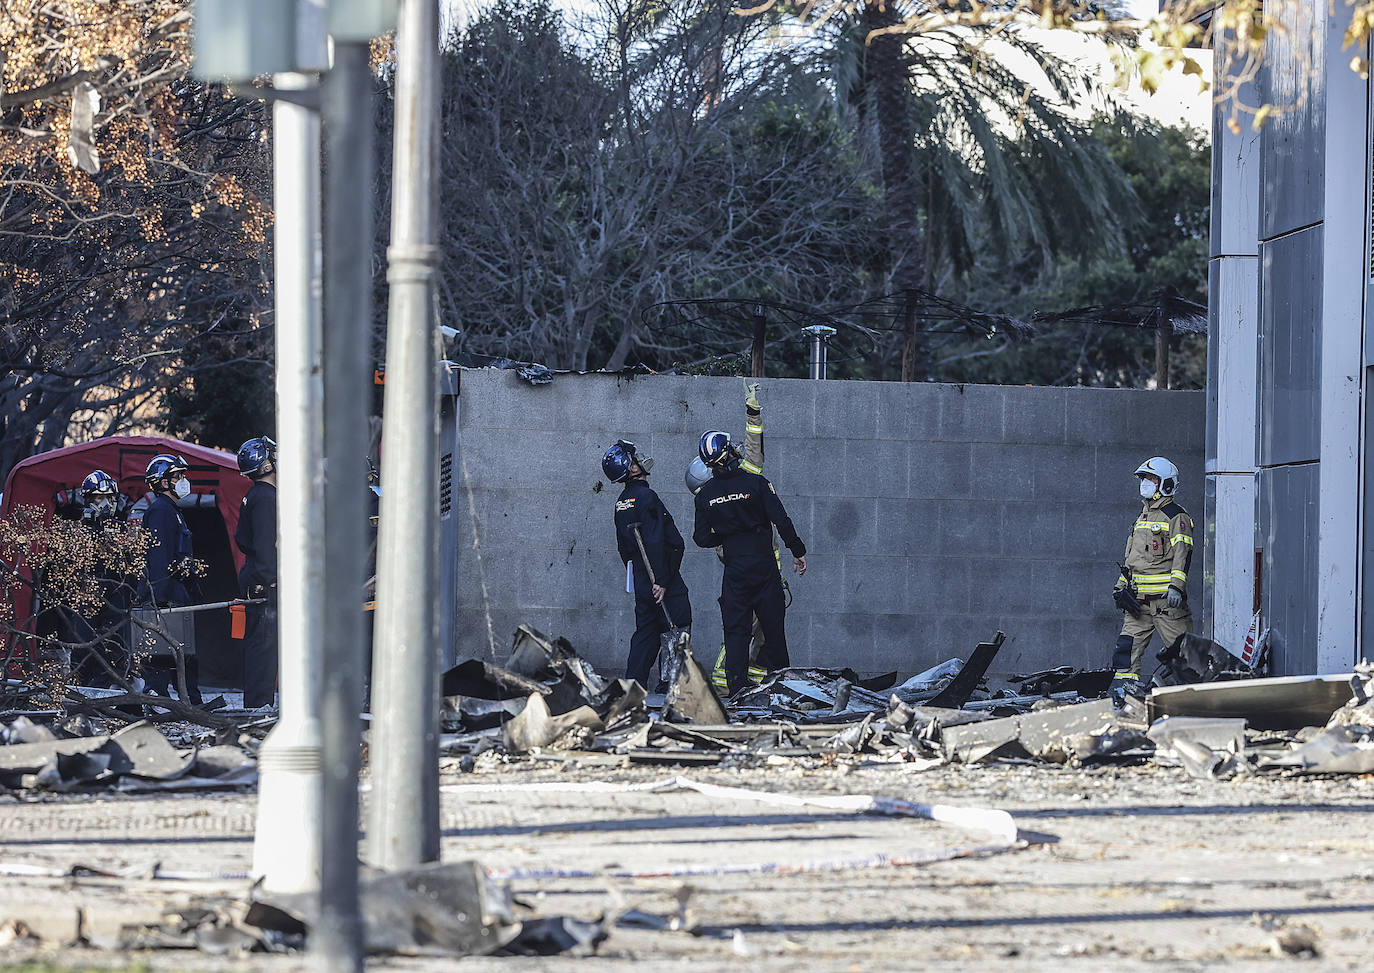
717 451
254 453
162 466
618 459
98 483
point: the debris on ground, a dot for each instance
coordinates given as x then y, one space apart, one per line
440 909
79 754
548 703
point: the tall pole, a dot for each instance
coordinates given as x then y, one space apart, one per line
404 826
909 337
286 848
1164 328
336 941
760 333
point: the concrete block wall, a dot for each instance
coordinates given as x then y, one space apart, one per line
934 515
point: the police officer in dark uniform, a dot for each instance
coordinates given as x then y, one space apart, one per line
643 527
256 537
734 511
170 581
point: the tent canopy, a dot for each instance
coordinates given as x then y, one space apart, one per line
37 480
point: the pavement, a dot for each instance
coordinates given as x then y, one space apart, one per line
1131 867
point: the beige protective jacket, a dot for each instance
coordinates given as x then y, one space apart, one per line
1159 551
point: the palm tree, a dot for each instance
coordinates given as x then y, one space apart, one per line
978 140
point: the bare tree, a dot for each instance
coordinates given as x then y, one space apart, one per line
670 153
132 221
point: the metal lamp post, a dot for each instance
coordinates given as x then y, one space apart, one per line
336 940
404 820
237 41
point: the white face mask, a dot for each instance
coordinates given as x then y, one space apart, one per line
1147 489
182 488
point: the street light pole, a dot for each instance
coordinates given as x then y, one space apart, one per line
336 941
404 825
286 846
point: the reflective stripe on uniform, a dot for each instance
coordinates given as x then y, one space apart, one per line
1144 579
1127 675
1152 525
751 468
758 429
1180 539
757 674
1177 576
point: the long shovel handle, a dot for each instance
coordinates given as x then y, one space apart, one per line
650 570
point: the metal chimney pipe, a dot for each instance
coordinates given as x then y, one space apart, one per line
820 338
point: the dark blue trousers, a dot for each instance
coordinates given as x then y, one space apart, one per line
650 625
747 590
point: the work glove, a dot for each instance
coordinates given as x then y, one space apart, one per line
1124 600
1175 597
751 395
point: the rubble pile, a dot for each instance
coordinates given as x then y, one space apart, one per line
80 753
549 702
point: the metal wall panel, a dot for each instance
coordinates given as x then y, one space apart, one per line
1290 312
1233 297
1209 441
1292 153
1345 270
1235 184
1286 532
1228 556
1204 552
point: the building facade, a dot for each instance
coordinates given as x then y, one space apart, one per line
1289 373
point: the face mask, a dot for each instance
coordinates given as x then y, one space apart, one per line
101 508
1147 489
647 463
182 488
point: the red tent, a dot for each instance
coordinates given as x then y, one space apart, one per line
45 480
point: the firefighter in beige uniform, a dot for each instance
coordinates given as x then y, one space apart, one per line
1158 555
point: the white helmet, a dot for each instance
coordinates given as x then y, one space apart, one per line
697 474
1162 468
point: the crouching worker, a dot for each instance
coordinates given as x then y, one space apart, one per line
736 510
651 546
1152 590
